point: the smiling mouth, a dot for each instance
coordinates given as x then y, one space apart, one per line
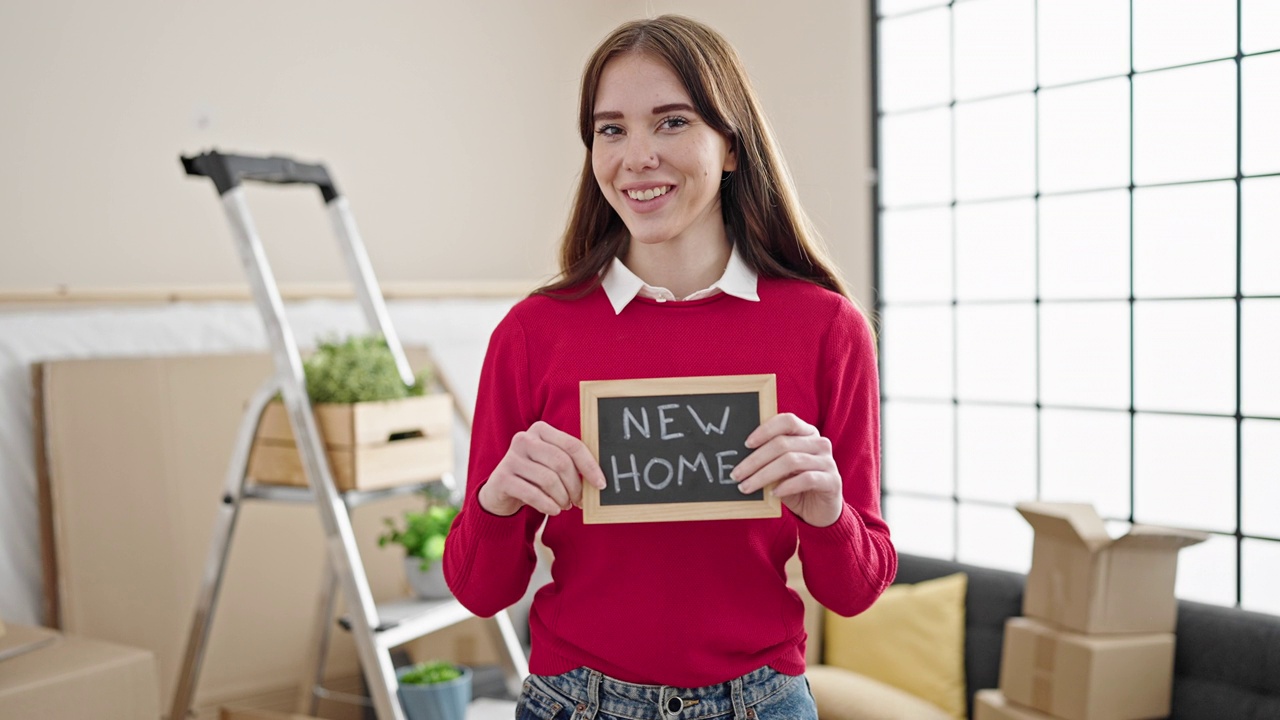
651 193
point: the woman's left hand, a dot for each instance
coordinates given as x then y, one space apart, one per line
790 452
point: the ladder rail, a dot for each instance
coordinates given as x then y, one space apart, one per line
360 271
224 527
340 542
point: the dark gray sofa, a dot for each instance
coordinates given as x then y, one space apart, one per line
1226 667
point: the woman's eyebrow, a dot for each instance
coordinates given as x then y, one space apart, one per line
615 115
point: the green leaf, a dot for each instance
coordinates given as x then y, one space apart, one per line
358 369
431 673
423 533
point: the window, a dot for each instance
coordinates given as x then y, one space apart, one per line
1078 275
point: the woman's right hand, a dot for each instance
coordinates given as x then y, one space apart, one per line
544 469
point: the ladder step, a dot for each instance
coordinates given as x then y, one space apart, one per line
404 620
352 498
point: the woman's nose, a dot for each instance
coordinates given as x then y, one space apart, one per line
641 154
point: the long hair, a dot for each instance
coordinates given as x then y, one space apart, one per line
758 199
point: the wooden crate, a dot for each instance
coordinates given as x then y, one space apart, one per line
359 439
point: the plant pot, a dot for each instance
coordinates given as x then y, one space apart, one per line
428 585
441 701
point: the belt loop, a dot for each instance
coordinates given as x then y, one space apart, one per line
736 696
594 679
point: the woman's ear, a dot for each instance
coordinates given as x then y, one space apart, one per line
731 157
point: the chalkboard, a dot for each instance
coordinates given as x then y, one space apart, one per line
667 445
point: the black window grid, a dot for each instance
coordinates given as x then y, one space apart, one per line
1239 536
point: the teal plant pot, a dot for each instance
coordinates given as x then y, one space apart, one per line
441 701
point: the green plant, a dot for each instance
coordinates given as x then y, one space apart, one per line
358 369
431 673
423 534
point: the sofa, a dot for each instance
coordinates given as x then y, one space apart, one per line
1226 666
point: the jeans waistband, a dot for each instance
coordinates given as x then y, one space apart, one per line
601 693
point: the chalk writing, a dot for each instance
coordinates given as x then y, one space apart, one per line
674 448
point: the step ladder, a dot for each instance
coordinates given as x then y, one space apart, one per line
375 629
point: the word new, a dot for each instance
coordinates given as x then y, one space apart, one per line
659 472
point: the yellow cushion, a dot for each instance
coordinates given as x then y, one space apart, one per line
912 639
844 695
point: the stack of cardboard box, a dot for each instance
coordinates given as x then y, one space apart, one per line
1096 642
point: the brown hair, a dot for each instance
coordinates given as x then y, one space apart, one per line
758 199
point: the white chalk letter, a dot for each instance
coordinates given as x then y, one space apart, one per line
725 467
664 421
626 429
617 476
649 466
708 428
701 459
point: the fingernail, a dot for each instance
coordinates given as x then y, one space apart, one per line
736 475
742 489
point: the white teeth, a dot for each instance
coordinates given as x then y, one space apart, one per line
649 194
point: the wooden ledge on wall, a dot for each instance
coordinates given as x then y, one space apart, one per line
64 295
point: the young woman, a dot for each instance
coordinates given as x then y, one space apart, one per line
686 254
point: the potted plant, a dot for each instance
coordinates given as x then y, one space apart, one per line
422 537
435 690
358 369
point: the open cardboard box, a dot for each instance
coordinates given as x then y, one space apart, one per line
1086 677
1083 580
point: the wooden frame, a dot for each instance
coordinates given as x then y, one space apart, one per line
590 392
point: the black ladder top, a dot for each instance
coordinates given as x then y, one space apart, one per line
227 171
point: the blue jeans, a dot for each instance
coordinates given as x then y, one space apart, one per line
583 694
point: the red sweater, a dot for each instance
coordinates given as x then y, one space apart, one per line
684 604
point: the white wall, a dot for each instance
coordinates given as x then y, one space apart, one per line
449 125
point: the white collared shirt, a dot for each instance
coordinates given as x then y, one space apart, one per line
622 286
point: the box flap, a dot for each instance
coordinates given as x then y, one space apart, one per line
1067 521
1154 536
25 638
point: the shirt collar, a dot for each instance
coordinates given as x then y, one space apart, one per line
622 286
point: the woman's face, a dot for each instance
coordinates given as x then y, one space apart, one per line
656 160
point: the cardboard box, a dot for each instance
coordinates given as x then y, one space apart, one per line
370 445
992 705
145 444
72 677
1083 580
1086 677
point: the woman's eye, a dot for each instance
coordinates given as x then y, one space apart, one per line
608 130
673 123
